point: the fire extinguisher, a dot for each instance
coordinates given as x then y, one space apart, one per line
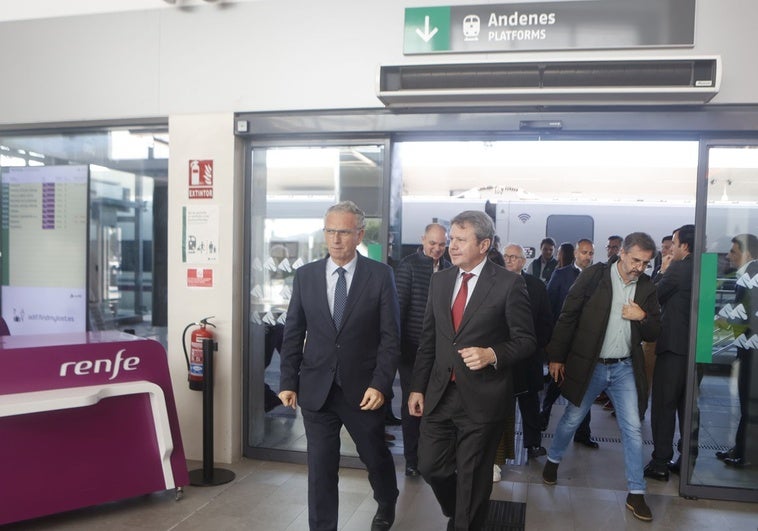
195 356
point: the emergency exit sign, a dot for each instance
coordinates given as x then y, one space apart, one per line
584 24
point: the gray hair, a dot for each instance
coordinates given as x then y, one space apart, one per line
484 229
641 240
520 249
349 207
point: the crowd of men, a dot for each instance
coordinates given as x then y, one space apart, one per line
470 339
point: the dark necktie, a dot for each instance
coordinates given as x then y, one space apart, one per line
340 297
460 301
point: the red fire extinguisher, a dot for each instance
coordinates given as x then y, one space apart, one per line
195 356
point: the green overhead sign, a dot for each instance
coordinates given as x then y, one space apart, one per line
427 29
576 25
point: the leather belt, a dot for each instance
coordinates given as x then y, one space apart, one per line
611 361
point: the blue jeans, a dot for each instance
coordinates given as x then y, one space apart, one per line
617 380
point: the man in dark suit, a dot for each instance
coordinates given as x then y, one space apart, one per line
477 324
347 306
527 374
413 276
674 290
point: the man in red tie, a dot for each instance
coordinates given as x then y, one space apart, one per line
477 324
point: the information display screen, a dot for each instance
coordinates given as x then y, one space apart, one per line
44 249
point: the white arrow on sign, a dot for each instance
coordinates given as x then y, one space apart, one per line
426 34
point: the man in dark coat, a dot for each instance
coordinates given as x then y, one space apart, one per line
527 374
543 266
346 304
596 346
413 275
674 289
477 324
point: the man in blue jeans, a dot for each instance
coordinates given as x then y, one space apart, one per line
596 346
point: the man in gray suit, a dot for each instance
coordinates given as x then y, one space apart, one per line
347 306
478 323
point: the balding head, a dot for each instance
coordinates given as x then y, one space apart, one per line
434 241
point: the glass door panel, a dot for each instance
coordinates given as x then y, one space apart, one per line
724 412
290 191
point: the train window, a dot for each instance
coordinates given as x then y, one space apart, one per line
570 227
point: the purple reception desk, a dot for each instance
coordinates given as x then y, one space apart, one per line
85 418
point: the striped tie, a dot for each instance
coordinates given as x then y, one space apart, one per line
340 297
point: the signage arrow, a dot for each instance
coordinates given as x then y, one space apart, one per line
426 35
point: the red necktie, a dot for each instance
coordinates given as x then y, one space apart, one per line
459 304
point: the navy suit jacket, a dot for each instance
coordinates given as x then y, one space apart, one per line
363 353
560 282
497 315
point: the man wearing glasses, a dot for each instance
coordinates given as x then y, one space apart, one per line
596 346
347 307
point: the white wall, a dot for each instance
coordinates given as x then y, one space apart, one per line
207 136
266 55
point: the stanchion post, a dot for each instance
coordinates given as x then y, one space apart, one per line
209 475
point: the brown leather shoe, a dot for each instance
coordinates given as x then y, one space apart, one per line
636 504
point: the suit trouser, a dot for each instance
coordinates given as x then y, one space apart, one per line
410 423
743 392
455 458
667 402
529 406
322 430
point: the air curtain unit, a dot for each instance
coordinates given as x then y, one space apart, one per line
597 82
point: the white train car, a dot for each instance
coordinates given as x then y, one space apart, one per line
527 222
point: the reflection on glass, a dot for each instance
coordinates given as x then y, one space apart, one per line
728 324
300 183
127 206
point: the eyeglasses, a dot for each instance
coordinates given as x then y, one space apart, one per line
509 257
341 232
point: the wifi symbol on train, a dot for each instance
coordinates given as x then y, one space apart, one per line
524 217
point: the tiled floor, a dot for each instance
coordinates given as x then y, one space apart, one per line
270 496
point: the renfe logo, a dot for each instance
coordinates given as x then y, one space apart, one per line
80 368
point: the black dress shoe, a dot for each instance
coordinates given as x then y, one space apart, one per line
588 442
535 451
724 455
384 518
675 466
412 471
737 462
654 472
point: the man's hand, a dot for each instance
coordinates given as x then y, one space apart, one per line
416 404
557 371
633 312
477 358
372 399
289 398
666 262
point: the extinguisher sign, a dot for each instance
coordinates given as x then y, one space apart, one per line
199 278
201 179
